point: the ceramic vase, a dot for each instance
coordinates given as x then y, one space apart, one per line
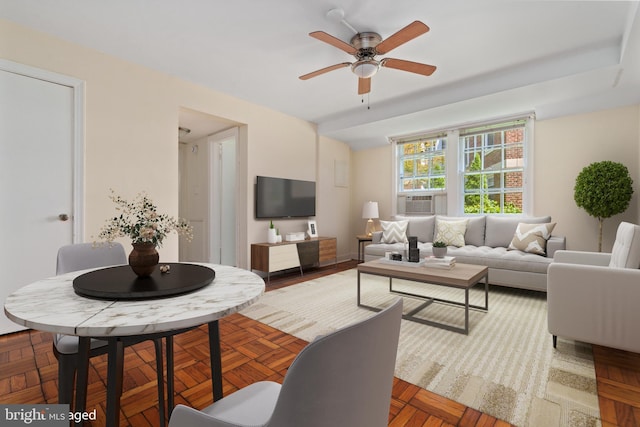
439 252
143 258
271 235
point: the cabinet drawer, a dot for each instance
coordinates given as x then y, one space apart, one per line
308 252
328 250
283 257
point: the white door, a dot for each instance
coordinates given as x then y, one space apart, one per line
37 126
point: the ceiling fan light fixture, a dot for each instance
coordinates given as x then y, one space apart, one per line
365 68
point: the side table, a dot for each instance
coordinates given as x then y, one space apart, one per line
362 238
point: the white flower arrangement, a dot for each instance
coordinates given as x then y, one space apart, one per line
140 221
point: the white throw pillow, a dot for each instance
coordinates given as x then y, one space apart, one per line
532 238
394 231
450 232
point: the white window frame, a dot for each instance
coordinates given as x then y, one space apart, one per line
399 167
455 165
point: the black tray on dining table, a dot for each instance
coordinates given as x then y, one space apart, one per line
121 283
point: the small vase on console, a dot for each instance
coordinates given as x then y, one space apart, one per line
271 234
143 258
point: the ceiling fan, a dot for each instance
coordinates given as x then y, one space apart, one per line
366 46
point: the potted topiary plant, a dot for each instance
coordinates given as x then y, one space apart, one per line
603 189
439 249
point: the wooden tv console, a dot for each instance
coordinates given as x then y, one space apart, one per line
270 257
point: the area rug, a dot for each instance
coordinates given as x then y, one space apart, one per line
506 366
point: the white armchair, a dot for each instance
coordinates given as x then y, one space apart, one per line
593 297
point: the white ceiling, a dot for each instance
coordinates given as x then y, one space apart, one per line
494 57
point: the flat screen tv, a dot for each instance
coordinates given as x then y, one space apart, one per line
284 198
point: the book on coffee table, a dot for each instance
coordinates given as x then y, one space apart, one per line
446 262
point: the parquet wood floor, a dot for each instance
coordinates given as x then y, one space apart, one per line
252 351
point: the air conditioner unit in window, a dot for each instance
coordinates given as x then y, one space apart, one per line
415 205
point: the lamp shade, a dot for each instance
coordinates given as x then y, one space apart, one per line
370 210
365 68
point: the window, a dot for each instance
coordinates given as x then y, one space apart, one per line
421 164
493 168
477 169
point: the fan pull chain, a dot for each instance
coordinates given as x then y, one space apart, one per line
368 101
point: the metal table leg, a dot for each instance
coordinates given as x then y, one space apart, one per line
114 381
157 343
170 388
82 374
216 360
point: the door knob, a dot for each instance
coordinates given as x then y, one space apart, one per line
63 217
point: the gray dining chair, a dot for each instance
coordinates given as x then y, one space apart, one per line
83 256
342 379
77 257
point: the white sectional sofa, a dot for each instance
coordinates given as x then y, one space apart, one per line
486 242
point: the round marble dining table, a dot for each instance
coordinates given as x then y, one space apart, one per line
52 305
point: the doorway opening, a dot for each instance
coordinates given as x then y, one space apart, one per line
210 179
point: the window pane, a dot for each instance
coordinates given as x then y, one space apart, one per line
409 149
493 159
513 202
493 181
472 182
514 136
438 162
473 162
494 139
408 168
514 156
492 203
513 179
472 203
423 167
437 183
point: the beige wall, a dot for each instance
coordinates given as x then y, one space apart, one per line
373 181
562 147
132 133
334 193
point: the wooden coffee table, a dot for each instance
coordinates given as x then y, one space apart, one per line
462 276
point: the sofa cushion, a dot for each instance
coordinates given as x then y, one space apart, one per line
379 250
501 258
532 238
450 232
500 229
626 248
394 231
419 226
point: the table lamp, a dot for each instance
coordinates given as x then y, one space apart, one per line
370 211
